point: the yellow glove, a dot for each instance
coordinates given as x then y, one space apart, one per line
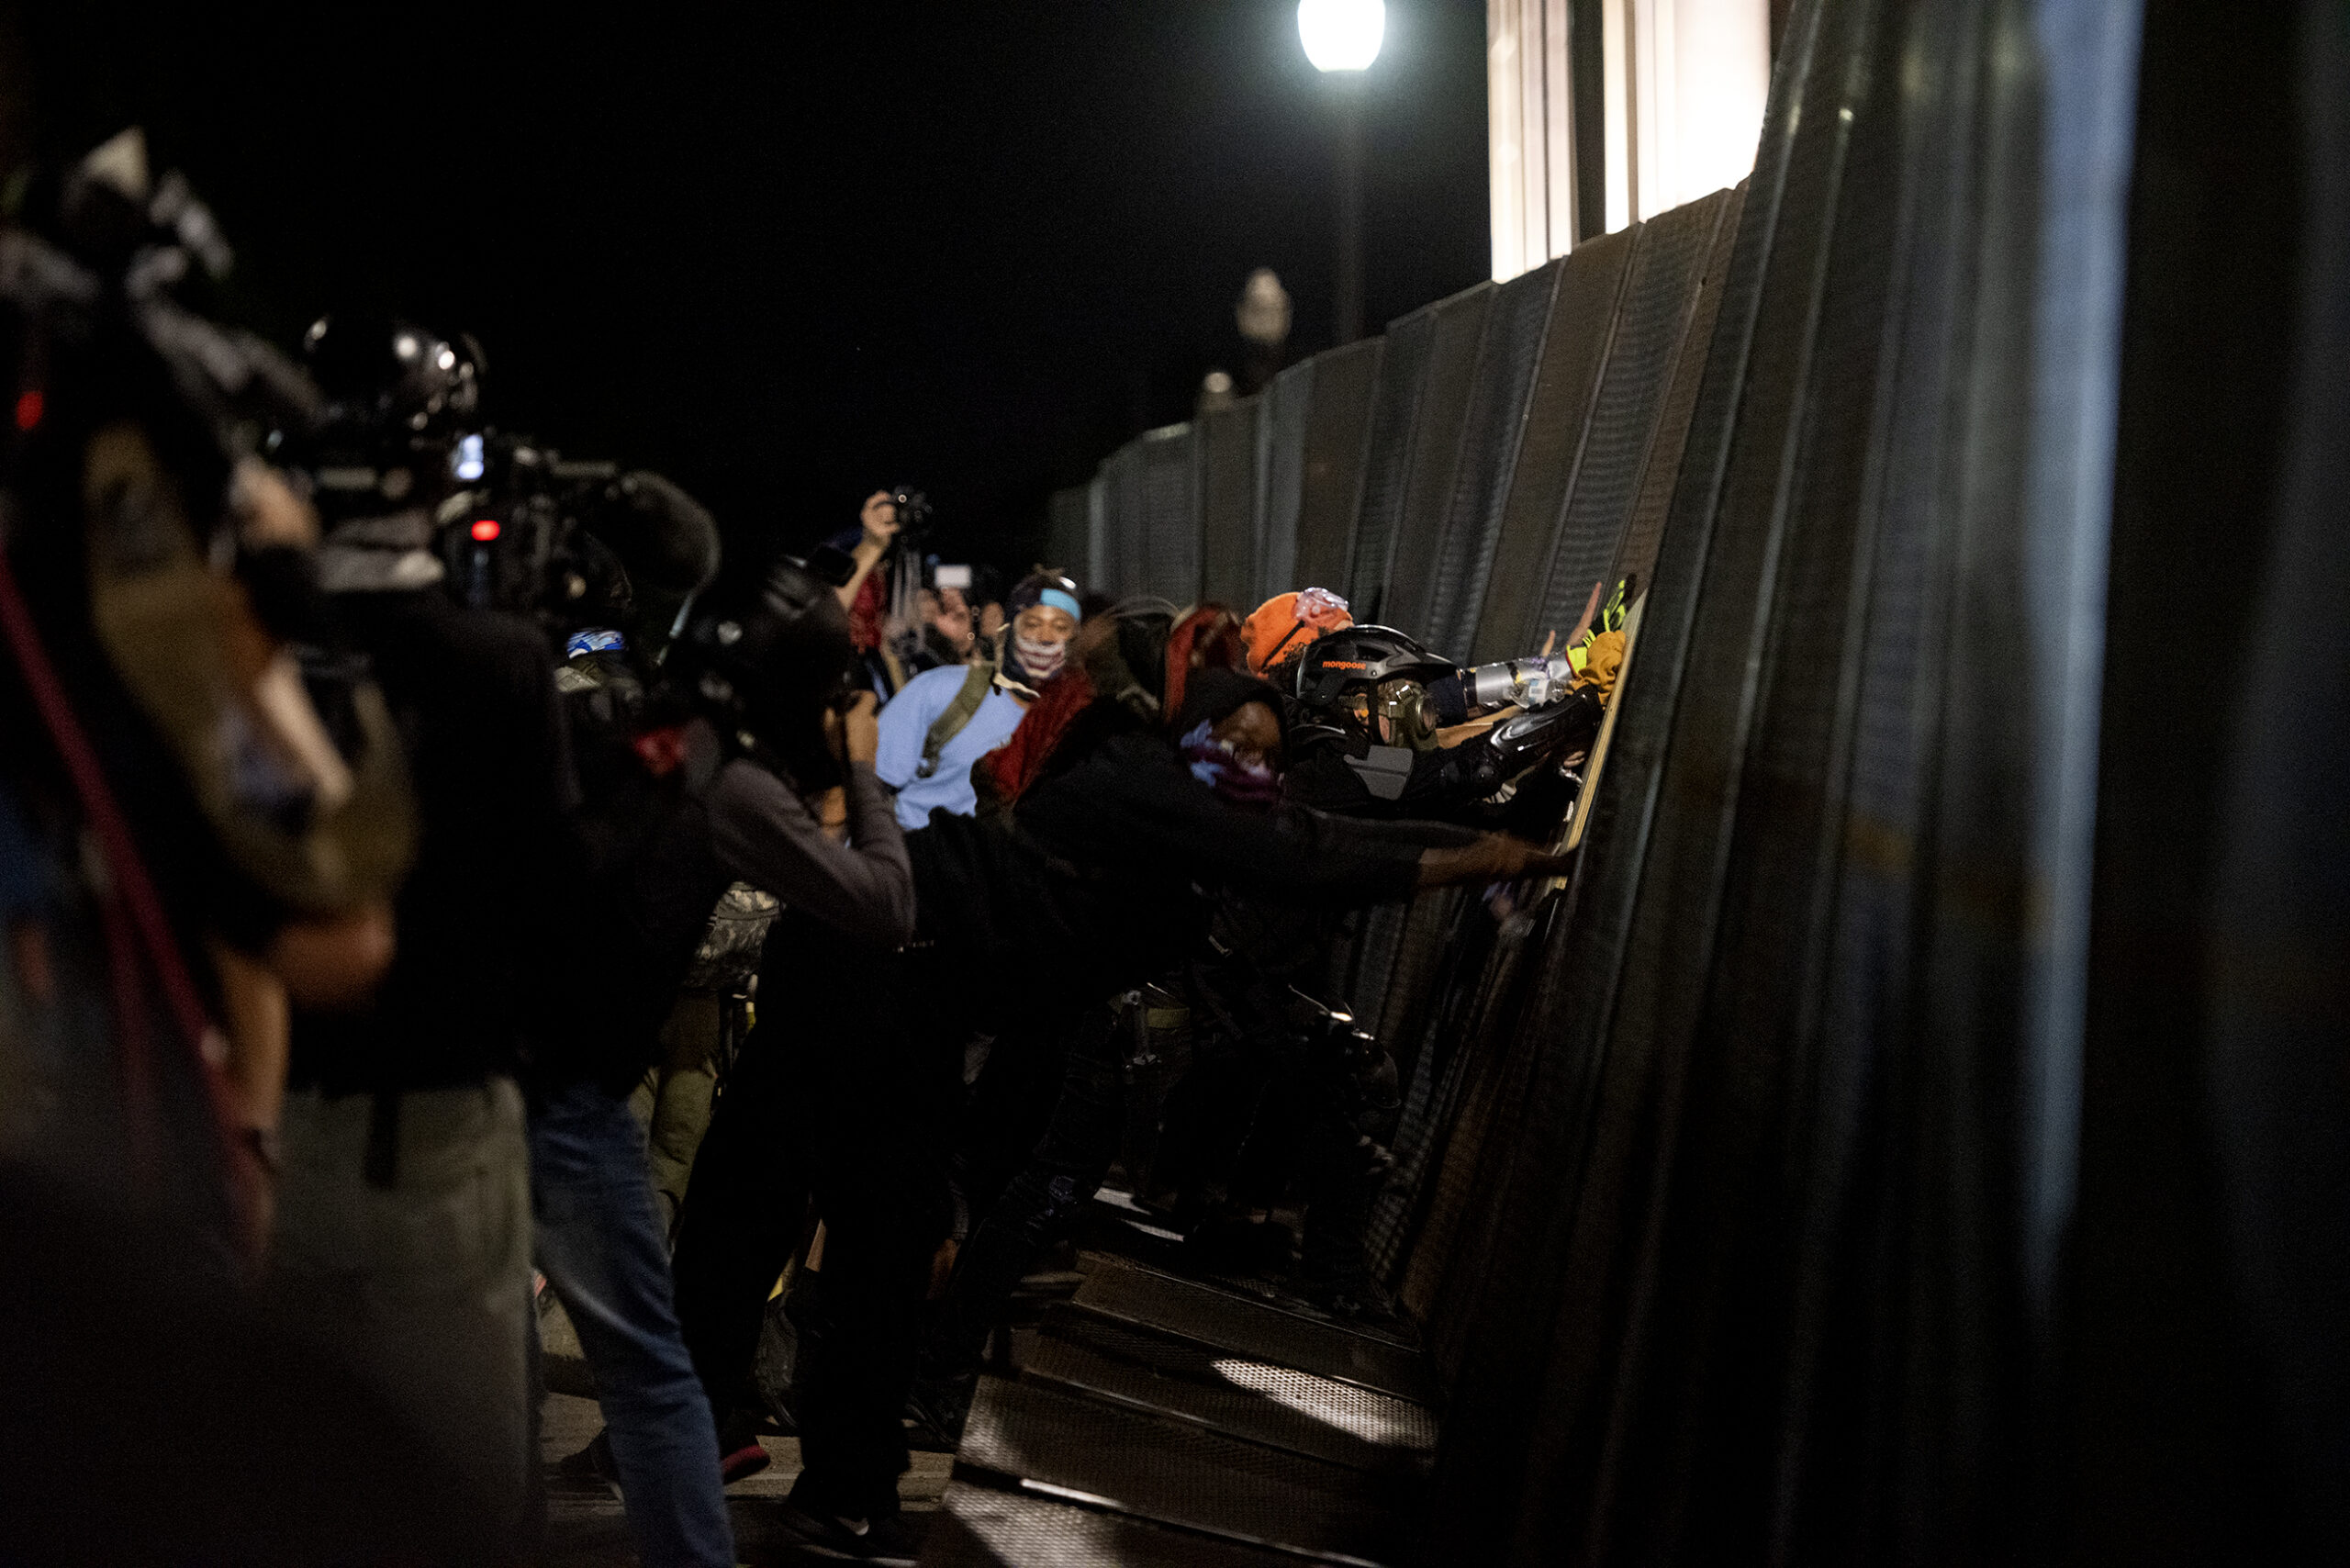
1601 663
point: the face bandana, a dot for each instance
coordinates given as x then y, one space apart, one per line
1038 660
1249 785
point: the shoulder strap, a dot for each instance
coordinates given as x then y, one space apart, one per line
977 678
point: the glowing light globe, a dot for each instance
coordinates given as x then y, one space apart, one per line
1342 35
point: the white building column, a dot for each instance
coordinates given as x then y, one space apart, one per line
1681 85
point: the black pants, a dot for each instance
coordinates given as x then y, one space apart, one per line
835 1098
1205 1142
1011 1106
1308 1132
1042 1204
1258 1113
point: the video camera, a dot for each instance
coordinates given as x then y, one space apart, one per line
923 566
522 535
913 513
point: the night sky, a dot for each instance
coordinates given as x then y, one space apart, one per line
788 253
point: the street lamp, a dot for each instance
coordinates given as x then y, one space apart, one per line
1342 37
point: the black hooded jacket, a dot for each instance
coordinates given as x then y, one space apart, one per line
1106 870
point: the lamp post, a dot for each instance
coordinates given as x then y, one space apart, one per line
1342 37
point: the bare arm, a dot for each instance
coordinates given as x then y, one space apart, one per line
1494 857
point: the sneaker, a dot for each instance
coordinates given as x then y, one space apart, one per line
784 1342
593 1463
740 1455
741 1464
1231 1244
936 1409
890 1539
1351 1295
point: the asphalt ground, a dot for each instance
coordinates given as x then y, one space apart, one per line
584 1524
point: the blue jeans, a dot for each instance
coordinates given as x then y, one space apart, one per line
600 1246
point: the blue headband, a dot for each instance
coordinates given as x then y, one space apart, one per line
1060 601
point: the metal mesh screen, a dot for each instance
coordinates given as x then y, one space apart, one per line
1660 988
1658 297
1262 1333
1661 465
1263 1401
1559 414
1068 529
1429 951
1094 568
1287 403
1480 1016
1120 565
1462 1239
1560 1195
1403 375
1229 489
985 1527
1490 431
1331 484
1361 968
1176 1473
1257 1291
1742 968
1170 506
1436 456
2213 913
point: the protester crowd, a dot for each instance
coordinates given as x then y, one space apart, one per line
434 871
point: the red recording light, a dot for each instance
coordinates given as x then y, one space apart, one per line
29 409
485 530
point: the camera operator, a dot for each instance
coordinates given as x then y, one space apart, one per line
902 623
668 546
404 1225
215 822
248 825
812 1109
946 719
600 1238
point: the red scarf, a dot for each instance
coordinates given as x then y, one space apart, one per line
1004 774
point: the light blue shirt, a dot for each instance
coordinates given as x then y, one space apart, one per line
906 721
